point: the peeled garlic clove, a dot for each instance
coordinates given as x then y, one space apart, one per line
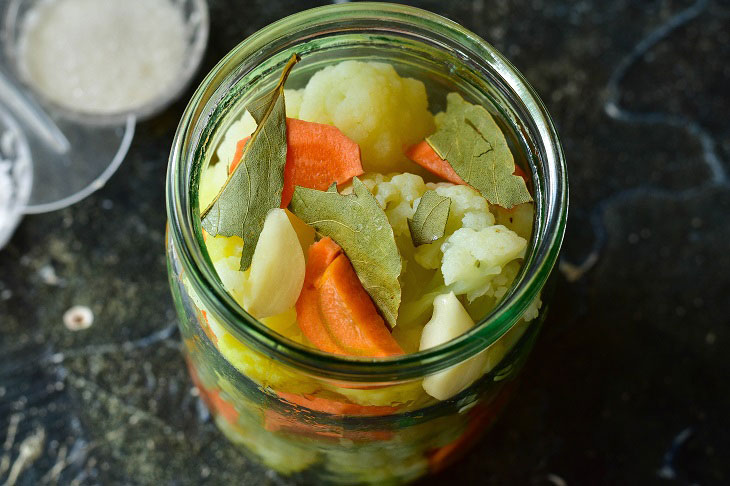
449 321
277 268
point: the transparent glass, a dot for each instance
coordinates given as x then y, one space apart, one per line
195 15
324 418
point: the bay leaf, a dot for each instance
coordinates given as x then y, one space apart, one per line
469 139
254 187
429 221
359 225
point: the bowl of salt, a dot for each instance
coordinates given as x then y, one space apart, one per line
76 76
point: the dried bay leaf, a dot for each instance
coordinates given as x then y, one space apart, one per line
429 221
254 187
470 140
359 225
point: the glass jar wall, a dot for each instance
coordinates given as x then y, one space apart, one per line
330 418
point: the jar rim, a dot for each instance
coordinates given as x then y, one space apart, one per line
553 202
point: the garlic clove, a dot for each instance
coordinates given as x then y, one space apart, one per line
449 321
277 268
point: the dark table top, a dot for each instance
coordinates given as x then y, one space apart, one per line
629 380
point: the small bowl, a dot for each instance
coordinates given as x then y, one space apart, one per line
16 175
197 22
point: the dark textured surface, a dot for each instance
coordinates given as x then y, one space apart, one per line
629 382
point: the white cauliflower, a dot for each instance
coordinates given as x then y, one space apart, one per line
398 195
293 101
468 210
372 105
472 259
475 256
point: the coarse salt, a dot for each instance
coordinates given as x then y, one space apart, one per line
103 56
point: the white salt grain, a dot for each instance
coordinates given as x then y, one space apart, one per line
103 56
78 317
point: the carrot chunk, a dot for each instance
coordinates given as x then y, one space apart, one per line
334 407
211 397
350 315
316 156
320 255
238 154
281 423
335 312
426 157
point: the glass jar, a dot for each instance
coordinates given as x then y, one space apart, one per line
324 418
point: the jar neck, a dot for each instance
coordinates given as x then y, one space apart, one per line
252 66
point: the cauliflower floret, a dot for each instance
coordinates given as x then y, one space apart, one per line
398 195
373 106
239 129
503 281
472 259
533 310
293 101
220 246
278 453
468 210
476 258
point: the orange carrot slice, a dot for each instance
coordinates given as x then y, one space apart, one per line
221 406
426 157
320 255
216 404
316 156
335 312
294 425
350 315
238 154
334 407
277 422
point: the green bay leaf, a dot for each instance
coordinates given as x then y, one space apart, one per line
470 140
254 187
359 225
429 221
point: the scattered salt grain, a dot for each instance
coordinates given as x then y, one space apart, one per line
103 56
78 317
48 275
